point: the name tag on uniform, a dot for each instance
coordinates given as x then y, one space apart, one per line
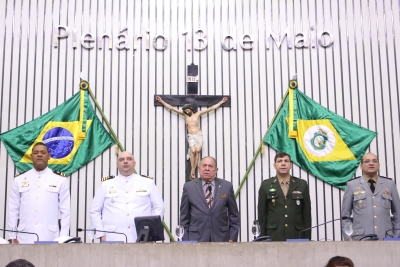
142 192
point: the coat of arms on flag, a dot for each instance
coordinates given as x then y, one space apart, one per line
317 139
72 132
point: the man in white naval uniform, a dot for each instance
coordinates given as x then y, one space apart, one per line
371 205
122 198
37 198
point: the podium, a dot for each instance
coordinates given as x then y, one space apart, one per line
271 254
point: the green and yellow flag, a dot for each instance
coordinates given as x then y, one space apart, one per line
318 140
71 131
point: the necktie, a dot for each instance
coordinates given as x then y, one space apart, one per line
371 185
209 197
285 187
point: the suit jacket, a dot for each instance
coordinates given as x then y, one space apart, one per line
218 224
284 217
371 211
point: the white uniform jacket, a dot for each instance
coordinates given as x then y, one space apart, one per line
119 200
37 198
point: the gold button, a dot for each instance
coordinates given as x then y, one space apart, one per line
37 197
38 186
285 207
375 226
126 181
285 224
285 215
126 191
39 177
36 223
127 202
373 196
37 210
374 207
129 227
375 216
127 214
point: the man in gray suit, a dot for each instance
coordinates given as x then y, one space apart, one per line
371 198
209 212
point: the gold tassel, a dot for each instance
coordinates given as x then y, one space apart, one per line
116 149
262 147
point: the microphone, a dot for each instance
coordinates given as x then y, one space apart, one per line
12 231
101 231
343 218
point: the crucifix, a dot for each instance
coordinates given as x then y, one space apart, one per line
190 102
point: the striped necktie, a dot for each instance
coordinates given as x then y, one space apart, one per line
209 197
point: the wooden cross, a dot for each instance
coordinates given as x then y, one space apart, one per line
193 98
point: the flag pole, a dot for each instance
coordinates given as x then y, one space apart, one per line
105 119
259 148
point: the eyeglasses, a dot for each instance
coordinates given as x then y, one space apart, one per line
370 160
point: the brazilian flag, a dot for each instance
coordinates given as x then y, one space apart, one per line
317 139
72 132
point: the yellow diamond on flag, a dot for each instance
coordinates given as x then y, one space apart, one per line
62 139
320 141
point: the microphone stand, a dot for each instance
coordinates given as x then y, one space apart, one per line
101 231
12 231
320 225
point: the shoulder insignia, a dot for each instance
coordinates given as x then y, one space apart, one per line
354 178
59 173
19 174
107 178
146 176
385 177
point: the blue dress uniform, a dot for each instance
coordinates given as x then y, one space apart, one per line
371 211
284 217
37 199
119 200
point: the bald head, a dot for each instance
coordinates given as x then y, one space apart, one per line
369 155
126 163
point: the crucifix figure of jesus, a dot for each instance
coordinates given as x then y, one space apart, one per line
194 136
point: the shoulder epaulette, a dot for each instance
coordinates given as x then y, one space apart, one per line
59 173
385 177
146 176
354 178
19 174
107 178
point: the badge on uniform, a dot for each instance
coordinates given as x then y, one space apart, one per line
112 191
25 183
298 202
360 203
272 191
386 192
141 191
